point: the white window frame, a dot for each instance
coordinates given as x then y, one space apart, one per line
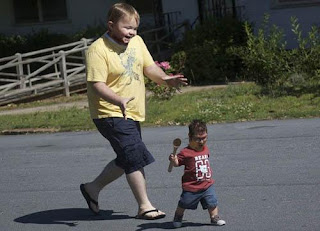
280 4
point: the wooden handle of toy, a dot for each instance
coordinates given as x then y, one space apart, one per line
174 153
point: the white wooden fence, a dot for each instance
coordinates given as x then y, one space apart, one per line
41 72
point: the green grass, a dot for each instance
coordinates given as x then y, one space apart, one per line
234 103
72 119
45 102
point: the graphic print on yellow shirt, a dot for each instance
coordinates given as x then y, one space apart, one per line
127 61
121 68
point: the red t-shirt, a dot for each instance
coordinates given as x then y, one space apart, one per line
197 171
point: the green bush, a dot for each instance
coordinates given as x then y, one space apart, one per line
264 56
206 48
10 45
163 92
304 66
278 70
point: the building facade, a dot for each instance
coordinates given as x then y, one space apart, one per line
70 16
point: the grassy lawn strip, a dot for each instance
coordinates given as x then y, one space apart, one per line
71 119
234 103
45 102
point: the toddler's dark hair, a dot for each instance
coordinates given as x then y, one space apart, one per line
197 126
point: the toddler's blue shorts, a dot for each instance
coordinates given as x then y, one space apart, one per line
125 139
190 200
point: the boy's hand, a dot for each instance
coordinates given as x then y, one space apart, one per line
123 106
108 95
176 81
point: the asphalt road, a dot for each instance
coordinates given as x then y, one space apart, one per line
267 178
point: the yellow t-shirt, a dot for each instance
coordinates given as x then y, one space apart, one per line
121 68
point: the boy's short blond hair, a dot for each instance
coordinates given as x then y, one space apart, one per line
120 10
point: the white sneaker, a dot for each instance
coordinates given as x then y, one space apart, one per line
177 221
217 221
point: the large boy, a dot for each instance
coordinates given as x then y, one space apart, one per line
116 65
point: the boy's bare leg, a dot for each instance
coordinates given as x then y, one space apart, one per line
137 184
110 173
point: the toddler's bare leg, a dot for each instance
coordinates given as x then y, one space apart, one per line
213 211
179 212
215 219
178 216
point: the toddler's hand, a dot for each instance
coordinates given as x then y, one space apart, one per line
172 157
174 160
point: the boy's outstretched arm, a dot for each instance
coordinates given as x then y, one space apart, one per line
157 75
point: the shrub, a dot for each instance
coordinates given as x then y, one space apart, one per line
278 70
263 56
10 45
161 91
206 48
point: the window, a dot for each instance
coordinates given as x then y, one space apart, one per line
142 6
293 3
35 11
209 9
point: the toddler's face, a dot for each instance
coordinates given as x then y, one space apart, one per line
123 30
198 141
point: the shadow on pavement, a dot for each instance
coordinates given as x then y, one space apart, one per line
69 217
167 225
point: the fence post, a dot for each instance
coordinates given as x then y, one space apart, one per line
157 43
56 71
187 25
63 71
83 52
20 71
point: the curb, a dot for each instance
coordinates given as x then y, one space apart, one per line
25 131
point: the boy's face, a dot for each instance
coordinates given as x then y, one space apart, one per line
198 141
123 30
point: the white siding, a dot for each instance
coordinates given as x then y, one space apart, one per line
82 13
307 16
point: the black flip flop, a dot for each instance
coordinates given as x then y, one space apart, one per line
144 217
88 199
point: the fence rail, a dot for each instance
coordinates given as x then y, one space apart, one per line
40 72
36 73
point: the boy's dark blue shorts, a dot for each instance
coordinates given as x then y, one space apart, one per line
207 198
125 139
